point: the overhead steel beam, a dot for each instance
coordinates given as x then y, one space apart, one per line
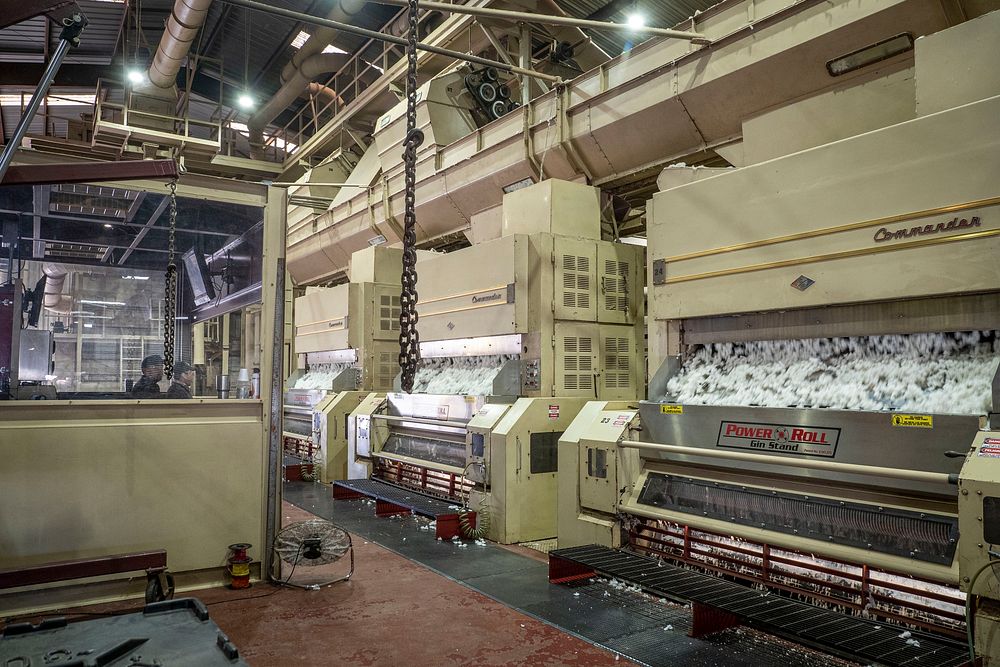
90 172
70 74
70 36
99 221
129 216
40 200
15 11
548 19
391 39
145 229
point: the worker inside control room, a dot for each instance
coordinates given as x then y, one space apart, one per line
495 332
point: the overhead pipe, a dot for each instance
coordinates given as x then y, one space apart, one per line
390 39
548 19
342 11
309 69
53 297
186 18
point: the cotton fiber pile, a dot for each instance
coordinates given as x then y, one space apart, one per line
320 376
472 376
948 373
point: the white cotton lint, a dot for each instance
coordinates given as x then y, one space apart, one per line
471 376
945 373
320 376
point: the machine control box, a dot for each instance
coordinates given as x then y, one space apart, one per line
979 513
477 443
599 460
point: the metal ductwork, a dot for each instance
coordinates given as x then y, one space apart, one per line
302 77
54 299
326 93
185 20
342 11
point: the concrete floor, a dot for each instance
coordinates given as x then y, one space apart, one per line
391 612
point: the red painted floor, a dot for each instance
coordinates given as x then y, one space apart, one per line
391 612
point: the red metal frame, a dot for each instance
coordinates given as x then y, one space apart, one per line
562 571
297 472
860 588
82 568
446 526
89 172
299 447
449 486
707 620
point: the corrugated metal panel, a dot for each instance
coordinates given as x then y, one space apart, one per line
59 116
25 42
662 14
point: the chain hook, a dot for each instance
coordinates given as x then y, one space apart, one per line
170 287
409 339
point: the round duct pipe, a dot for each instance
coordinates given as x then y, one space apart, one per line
311 68
53 298
343 11
186 18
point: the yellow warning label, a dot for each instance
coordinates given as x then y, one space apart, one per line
672 409
470 399
915 421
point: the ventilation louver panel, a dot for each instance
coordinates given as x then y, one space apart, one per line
578 363
576 281
388 366
388 313
615 284
617 363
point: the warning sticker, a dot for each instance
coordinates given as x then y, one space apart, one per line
621 420
914 421
993 451
553 412
672 409
991 441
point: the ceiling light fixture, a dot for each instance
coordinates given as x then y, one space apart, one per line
245 101
300 39
107 226
102 303
135 76
636 21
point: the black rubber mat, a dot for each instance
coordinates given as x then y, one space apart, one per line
419 503
625 622
844 635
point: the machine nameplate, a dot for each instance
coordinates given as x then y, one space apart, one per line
913 421
672 409
784 438
885 234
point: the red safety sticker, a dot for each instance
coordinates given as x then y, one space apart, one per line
553 412
621 420
991 441
992 451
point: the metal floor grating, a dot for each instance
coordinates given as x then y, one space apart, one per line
419 503
838 633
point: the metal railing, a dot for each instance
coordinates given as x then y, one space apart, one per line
126 114
366 67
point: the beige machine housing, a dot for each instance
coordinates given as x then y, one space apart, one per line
353 329
559 312
889 231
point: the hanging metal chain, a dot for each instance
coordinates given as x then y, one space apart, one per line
409 339
170 295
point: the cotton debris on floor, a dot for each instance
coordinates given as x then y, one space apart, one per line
946 373
472 376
